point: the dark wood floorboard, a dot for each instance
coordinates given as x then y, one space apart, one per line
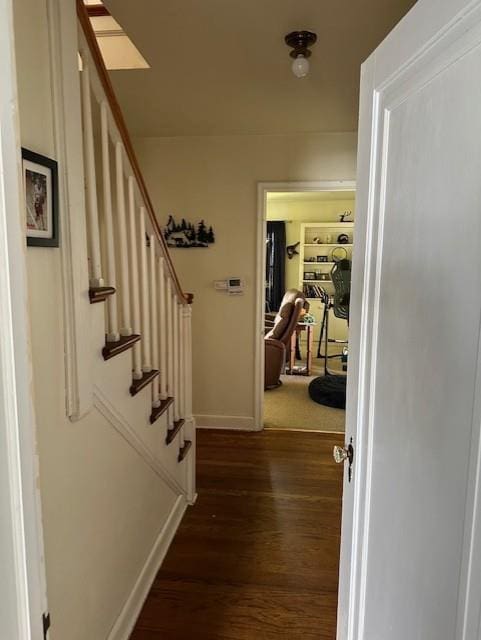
257 557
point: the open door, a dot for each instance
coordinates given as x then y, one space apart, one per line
410 557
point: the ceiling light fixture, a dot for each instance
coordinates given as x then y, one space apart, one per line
300 41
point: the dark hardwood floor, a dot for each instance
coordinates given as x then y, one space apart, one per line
257 557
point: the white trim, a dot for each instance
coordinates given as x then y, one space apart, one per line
125 623
263 188
62 29
107 409
238 423
22 588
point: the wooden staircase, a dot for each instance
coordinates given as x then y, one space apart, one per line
146 312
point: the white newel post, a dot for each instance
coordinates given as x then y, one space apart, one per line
134 280
175 323
144 288
154 323
187 318
170 351
126 327
189 420
181 372
96 279
113 334
162 332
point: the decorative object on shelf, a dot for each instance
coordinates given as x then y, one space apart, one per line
343 216
40 181
316 240
343 238
292 250
322 259
185 235
300 41
312 259
339 253
328 238
324 276
309 275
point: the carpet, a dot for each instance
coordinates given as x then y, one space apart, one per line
290 407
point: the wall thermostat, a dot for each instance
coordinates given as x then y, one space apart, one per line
233 286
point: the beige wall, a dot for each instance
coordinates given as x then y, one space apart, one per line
102 506
216 178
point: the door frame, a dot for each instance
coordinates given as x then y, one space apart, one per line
23 588
263 188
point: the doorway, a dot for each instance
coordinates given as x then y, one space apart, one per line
306 233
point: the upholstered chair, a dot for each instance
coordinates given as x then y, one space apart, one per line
278 336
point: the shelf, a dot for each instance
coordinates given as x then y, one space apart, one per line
328 225
318 264
334 244
316 281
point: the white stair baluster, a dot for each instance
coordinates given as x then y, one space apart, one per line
170 351
113 334
175 324
144 288
96 279
134 279
162 332
154 323
126 327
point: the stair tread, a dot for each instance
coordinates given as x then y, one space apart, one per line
158 411
171 433
146 379
112 349
100 294
184 450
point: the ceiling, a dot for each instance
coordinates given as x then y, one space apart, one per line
221 67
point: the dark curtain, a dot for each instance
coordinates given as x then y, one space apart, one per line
275 265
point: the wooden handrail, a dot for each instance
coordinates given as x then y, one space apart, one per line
84 20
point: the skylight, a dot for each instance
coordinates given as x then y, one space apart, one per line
118 50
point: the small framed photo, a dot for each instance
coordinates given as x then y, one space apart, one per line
309 275
40 179
321 258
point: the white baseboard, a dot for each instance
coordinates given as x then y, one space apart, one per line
239 423
125 623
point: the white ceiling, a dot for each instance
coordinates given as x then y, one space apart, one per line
221 67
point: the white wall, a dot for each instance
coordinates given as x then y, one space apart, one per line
216 178
102 506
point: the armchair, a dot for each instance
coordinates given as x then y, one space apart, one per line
279 334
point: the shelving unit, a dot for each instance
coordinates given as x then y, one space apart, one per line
318 240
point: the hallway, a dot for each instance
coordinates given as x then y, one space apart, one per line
257 557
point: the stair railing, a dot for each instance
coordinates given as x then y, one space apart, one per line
129 264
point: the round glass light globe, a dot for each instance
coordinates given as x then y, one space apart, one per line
300 67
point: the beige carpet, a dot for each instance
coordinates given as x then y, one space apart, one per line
290 407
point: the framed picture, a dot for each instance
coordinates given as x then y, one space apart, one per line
40 179
309 275
321 258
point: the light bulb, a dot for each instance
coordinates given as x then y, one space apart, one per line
300 67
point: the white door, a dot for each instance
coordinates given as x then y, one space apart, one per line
411 545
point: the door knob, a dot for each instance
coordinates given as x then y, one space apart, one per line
341 454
